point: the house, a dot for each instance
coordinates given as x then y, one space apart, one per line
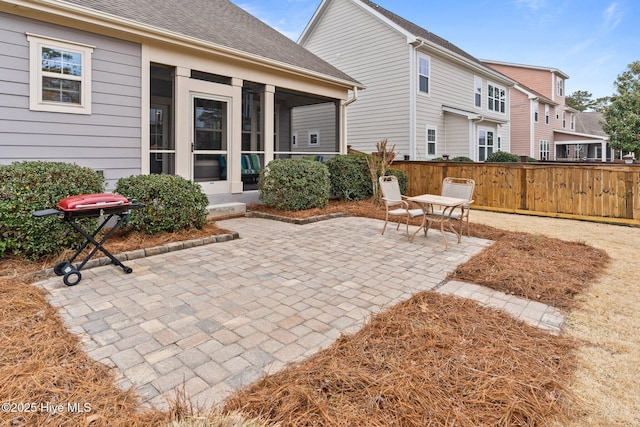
542 125
423 94
192 88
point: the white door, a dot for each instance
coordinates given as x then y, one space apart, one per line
210 142
486 140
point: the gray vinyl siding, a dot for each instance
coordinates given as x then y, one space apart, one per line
453 85
377 56
319 117
109 139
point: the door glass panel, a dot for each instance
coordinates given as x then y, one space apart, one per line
210 124
210 134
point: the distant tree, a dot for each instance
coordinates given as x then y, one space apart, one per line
601 103
622 116
580 100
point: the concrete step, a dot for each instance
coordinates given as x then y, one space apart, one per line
227 209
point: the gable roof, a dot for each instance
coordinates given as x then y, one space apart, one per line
531 67
415 34
590 122
216 22
533 94
420 32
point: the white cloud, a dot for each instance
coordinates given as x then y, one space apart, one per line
612 16
533 5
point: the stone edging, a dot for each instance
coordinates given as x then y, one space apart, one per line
300 221
156 250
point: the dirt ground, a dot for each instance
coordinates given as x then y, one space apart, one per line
606 321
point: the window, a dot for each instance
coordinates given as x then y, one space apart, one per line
424 65
294 139
557 114
536 108
546 114
496 98
572 121
432 140
564 119
544 149
477 92
59 75
560 87
314 138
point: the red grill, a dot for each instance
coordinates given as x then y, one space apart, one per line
114 207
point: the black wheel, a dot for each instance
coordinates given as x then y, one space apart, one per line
128 270
60 267
72 278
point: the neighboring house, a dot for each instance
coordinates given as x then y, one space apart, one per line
423 94
542 125
189 87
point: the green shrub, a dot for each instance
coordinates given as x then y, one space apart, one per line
290 184
350 178
171 203
403 179
33 185
502 156
454 159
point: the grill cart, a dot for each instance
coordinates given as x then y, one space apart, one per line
113 206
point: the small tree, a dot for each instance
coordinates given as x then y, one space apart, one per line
622 116
378 164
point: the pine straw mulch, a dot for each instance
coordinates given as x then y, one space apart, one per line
434 360
479 366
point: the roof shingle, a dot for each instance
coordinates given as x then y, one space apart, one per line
219 22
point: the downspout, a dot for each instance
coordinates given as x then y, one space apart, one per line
415 45
348 102
532 128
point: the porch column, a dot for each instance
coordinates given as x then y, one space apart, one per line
235 140
183 123
268 111
341 139
603 150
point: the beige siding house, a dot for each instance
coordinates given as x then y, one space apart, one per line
423 94
200 89
542 125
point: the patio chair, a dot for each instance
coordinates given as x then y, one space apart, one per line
394 202
461 188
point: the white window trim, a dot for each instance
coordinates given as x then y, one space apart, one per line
544 151
559 87
36 43
536 111
426 141
317 134
477 90
546 114
499 88
428 75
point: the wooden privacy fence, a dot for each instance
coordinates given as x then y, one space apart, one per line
608 193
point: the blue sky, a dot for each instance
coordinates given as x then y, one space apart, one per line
591 41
